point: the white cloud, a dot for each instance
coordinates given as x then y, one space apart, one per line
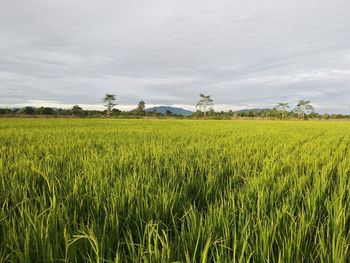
168 51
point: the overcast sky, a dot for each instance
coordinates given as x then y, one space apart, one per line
245 53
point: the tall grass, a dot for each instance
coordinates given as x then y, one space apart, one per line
174 191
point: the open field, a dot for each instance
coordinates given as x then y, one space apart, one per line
164 191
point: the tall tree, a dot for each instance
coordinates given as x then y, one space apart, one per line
141 108
303 108
282 107
205 103
110 103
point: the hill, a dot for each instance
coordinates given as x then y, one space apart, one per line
164 109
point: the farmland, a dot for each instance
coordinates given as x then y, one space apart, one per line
174 190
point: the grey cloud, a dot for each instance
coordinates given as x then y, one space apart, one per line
168 51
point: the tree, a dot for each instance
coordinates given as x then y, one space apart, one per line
110 103
141 108
45 111
211 112
282 107
116 111
49 111
205 103
28 110
77 110
303 108
5 111
168 113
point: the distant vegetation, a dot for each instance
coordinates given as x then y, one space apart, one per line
159 112
204 109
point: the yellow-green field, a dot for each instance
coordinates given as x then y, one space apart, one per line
165 191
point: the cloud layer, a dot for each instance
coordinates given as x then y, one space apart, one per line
244 53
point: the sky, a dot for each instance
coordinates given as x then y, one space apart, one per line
244 53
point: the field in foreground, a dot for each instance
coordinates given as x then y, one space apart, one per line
164 191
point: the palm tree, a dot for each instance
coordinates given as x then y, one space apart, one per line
205 103
304 107
110 100
282 107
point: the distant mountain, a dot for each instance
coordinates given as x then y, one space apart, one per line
164 109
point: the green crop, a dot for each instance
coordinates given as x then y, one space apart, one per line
174 191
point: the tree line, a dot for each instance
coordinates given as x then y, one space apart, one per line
204 109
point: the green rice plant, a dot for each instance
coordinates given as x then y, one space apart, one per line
83 190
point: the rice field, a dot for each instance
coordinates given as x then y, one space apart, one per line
174 191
